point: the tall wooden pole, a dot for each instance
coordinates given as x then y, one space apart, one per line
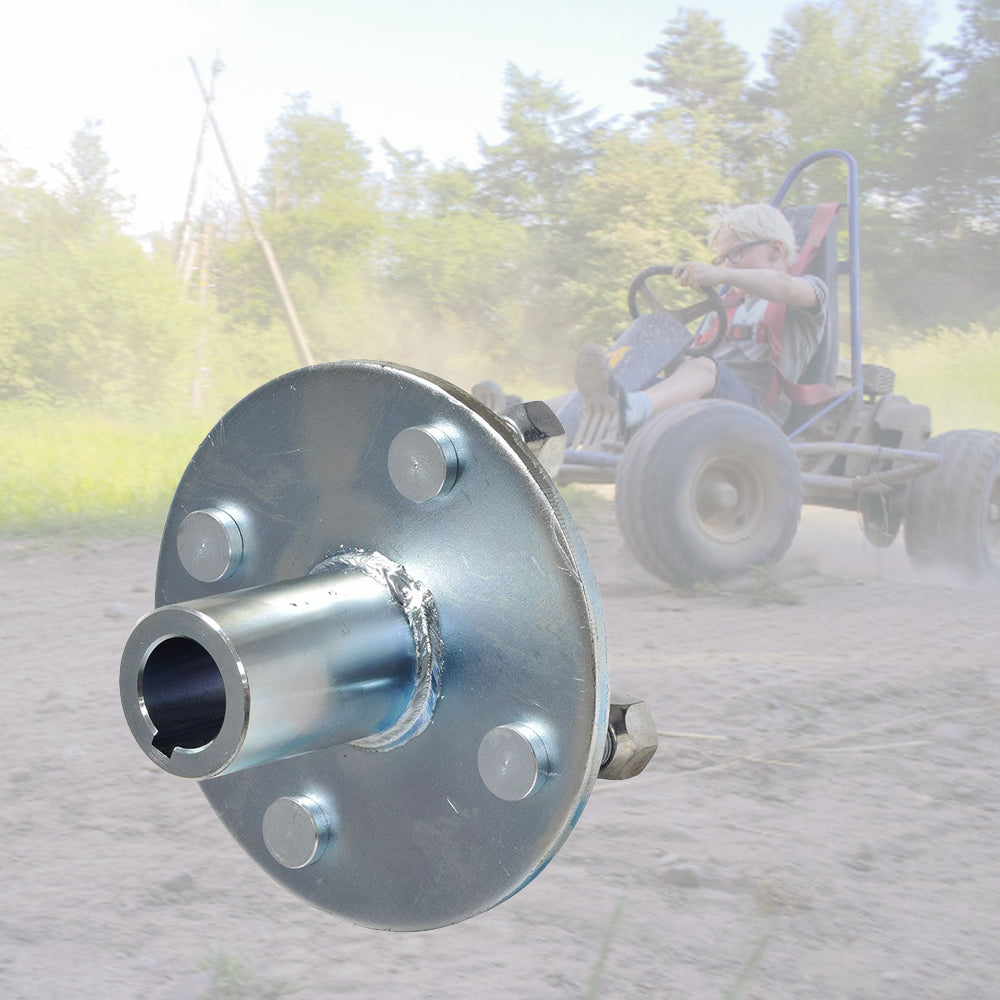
302 349
198 389
185 245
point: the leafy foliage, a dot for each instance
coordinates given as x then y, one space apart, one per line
647 202
701 85
84 314
88 193
695 68
950 228
841 74
318 205
530 175
452 267
504 267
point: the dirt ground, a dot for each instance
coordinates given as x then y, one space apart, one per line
821 819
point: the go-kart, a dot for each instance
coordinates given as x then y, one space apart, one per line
708 490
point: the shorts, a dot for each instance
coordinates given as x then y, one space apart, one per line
730 386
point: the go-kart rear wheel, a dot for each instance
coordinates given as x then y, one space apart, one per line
706 491
953 513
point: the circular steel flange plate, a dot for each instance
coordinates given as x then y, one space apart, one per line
414 837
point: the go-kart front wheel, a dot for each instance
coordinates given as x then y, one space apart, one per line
706 491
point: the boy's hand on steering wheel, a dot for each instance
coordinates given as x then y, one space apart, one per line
697 274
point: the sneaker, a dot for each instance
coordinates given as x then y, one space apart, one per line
595 379
604 399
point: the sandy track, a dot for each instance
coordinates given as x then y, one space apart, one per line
821 821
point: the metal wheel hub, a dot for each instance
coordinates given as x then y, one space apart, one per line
728 499
378 645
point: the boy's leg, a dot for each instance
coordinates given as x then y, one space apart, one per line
693 379
702 377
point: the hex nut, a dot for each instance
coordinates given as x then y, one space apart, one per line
541 431
632 738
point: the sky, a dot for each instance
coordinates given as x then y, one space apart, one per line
425 74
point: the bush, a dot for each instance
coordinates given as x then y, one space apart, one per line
66 470
954 372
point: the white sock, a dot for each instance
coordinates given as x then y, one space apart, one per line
638 408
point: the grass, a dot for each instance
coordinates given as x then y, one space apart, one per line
68 471
766 588
600 964
233 978
954 372
751 964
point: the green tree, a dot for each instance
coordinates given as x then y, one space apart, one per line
85 315
700 83
318 206
529 176
452 278
964 131
650 200
532 178
962 144
848 74
695 68
950 221
89 194
852 74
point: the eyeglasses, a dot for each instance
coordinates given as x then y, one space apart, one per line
735 256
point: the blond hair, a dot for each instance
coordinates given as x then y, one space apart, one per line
756 222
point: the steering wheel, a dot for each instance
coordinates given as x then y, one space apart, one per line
711 303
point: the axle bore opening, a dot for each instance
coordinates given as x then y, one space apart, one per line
184 695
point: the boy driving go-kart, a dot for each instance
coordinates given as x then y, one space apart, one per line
755 248
715 439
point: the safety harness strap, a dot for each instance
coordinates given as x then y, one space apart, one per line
773 323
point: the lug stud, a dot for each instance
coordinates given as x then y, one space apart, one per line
210 545
296 830
513 762
423 463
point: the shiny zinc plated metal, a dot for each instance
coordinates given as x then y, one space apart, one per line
378 645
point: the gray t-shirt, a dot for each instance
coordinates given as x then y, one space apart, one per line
750 359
